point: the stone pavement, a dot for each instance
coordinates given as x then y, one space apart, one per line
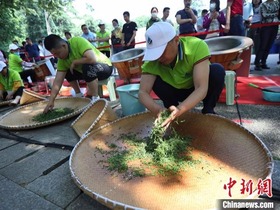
33 176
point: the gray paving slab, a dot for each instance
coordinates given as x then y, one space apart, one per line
4 143
32 167
15 197
60 133
56 187
84 202
5 109
16 152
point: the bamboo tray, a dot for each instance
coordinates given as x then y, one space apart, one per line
29 96
21 118
94 116
5 103
225 150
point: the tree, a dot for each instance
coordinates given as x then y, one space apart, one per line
21 18
142 21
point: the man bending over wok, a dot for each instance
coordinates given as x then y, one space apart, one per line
178 70
78 59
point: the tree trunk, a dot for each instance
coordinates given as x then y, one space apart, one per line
47 19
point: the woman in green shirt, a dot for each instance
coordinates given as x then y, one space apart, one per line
17 64
11 85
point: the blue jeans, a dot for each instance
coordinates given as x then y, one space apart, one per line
236 26
172 96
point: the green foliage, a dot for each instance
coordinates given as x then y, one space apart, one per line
21 18
12 27
142 21
53 114
169 156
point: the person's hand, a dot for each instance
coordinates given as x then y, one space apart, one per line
226 28
72 67
214 15
123 44
49 107
9 97
174 113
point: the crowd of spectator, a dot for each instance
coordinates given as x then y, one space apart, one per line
240 17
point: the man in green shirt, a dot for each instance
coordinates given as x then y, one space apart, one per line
11 85
178 70
78 59
103 38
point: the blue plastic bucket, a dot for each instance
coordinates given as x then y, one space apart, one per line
129 99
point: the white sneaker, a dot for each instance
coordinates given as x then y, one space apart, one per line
94 99
15 101
81 95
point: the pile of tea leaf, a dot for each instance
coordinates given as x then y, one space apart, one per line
52 114
153 155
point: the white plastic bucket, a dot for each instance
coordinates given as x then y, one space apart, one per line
129 99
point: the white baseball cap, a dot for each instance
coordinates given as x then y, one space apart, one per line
13 47
101 23
157 37
2 65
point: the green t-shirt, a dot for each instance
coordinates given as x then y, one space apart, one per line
7 83
78 46
15 62
101 44
191 51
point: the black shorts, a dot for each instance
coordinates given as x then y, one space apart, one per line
91 72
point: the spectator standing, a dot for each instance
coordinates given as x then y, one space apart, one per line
128 32
41 49
11 85
234 18
154 17
269 13
17 64
186 18
247 15
87 34
215 19
67 35
22 52
116 37
32 50
103 38
165 12
199 24
254 32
